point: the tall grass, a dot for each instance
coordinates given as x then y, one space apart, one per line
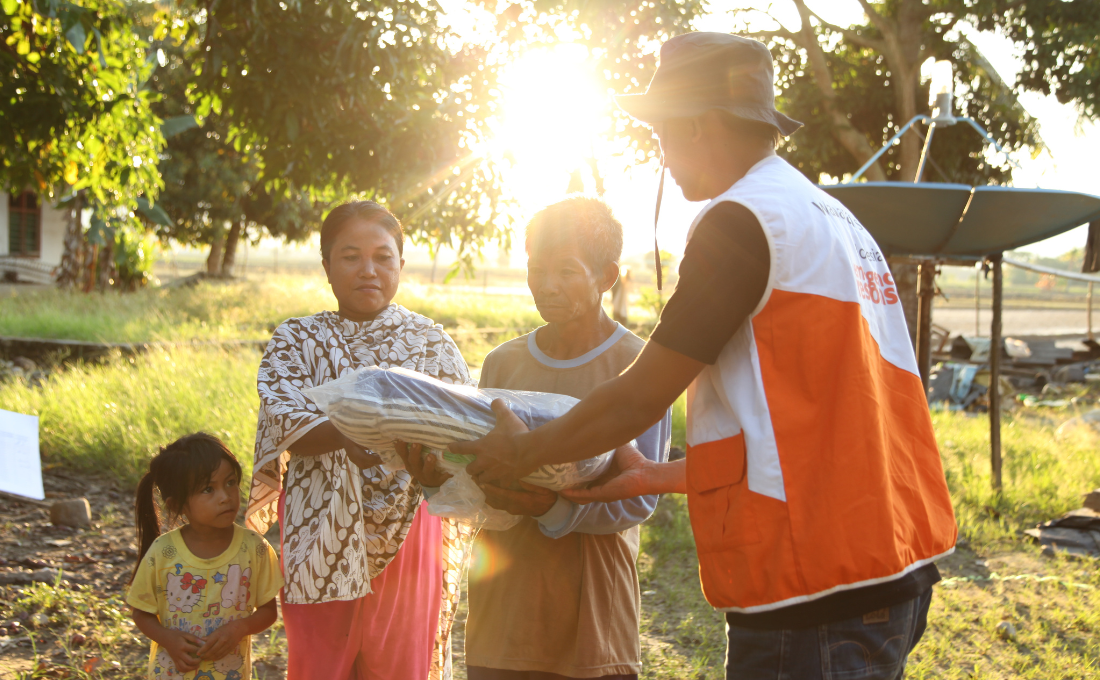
238 310
111 418
1044 474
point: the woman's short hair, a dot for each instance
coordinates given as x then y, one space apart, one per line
363 211
583 220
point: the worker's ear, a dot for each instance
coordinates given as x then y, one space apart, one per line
695 129
610 276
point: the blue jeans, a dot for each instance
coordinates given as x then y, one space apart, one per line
870 647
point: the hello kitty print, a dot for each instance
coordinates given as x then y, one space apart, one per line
198 596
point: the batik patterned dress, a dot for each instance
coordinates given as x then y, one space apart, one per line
343 525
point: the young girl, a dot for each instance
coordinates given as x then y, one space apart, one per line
200 591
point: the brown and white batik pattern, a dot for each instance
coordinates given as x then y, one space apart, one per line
344 525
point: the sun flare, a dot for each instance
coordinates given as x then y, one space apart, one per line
553 112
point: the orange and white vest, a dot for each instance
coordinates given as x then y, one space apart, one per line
812 465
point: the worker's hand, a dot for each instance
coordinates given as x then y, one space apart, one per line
424 469
183 648
531 500
629 475
497 453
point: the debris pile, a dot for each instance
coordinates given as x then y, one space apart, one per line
1036 371
1075 533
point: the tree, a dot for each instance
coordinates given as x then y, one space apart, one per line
854 87
211 189
75 118
391 104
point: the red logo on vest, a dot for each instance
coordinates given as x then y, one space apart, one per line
878 288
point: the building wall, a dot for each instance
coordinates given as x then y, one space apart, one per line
52 239
3 223
53 234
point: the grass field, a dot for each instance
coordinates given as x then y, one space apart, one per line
236 310
111 417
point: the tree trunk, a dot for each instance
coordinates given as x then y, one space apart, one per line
229 259
854 141
105 265
214 259
72 258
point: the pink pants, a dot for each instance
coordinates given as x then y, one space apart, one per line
387 635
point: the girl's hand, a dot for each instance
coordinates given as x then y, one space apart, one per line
425 471
222 641
183 648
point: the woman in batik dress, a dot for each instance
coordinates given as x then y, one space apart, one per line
371 577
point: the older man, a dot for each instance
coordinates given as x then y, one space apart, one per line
557 596
815 487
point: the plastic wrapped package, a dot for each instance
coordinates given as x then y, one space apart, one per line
374 406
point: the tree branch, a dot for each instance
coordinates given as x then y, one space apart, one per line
848 33
877 19
778 33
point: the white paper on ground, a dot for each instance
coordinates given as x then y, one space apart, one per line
20 465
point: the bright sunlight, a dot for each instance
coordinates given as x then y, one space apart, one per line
553 112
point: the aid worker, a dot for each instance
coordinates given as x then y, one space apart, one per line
815 488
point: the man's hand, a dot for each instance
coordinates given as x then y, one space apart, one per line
223 641
424 470
532 501
631 474
498 455
183 648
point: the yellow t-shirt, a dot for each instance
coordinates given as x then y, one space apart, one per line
198 596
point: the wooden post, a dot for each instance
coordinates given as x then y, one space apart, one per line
978 301
995 373
927 291
1089 315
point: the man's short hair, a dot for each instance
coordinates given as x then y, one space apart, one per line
752 128
583 220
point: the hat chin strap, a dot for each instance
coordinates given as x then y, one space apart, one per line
656 217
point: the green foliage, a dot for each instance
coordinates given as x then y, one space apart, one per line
209 180
866 87
1058 40
73 107
135 253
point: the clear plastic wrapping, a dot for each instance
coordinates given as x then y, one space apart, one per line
374 406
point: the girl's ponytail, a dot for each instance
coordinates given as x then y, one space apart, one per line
146 516
177 471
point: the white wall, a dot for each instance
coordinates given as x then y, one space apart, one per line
53 235
3 222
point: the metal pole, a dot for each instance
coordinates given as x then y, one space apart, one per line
924 152
884 149
924 319
1091 336
995 374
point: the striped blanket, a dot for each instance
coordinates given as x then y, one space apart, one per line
374 406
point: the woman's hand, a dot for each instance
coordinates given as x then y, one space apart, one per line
223 641
532 501
362 458
423 469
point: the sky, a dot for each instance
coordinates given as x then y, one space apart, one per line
550 108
